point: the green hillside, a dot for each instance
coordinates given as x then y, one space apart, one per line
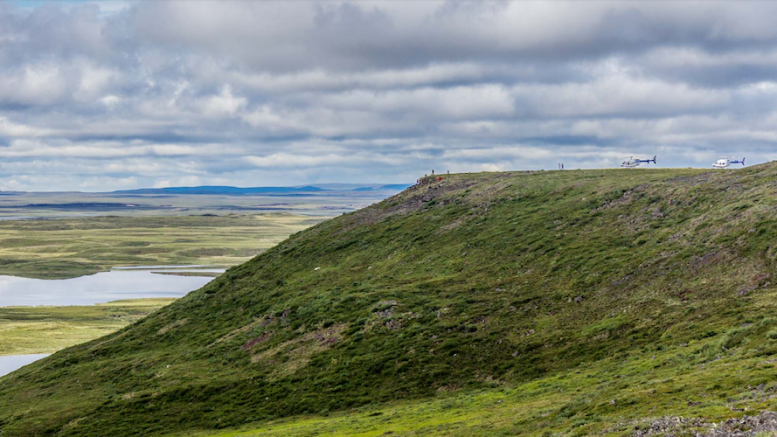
545 303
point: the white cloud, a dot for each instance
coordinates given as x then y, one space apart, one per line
11 129
223 104
294 160
40 84
93 80
459 102
110 101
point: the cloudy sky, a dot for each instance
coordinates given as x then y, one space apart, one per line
114 95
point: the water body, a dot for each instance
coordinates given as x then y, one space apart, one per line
99 288
121 283
197 268
12 362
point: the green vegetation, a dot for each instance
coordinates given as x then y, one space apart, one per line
615 397
547 303
67 248
36 330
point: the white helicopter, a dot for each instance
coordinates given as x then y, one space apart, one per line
632 162
725 161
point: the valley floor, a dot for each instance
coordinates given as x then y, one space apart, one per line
47 329
67 248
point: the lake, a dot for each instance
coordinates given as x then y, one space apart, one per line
10 363
120 283
117 284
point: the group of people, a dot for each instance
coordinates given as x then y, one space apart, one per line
427 178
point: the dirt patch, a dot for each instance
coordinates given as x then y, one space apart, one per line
455 224
693 180
238 331
260 322
625 199
254 341
288 357
417 196
174 325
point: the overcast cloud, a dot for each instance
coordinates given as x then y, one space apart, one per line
117 95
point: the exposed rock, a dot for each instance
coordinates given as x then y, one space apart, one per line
745 290
385 308
253 342
745 426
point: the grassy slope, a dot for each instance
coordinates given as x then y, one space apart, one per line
654 285
615 396
68 248
43 329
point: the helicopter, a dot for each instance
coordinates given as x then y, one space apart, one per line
632 162
725 161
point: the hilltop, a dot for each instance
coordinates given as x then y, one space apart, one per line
576 302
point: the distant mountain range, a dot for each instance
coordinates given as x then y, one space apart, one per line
391 187
238 191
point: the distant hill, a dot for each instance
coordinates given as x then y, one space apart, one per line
233 191
391 187
523 303
237 191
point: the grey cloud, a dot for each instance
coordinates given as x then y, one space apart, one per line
249 93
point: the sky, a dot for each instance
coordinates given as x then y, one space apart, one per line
110 95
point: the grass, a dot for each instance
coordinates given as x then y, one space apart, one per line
65 248
587 302
36 330
614 396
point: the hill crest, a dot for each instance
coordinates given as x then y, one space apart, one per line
471 282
